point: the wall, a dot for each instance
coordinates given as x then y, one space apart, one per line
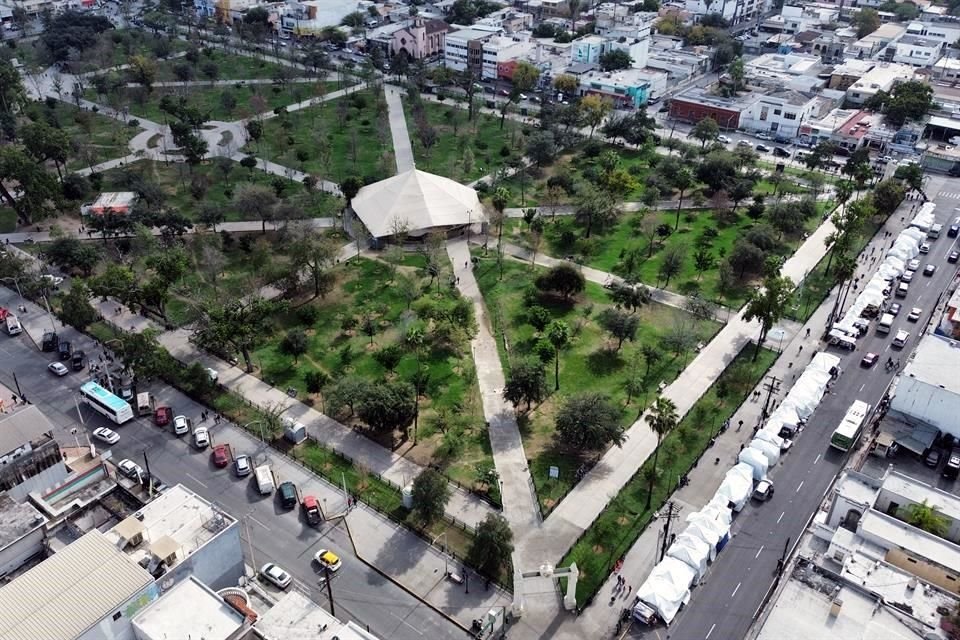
13 557
691 112
925 570
217 564
121 628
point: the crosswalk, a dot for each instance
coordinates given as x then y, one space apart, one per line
952 195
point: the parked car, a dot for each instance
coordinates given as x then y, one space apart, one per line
913 265
181 426
274 574
907 276
162 416
780 152
929 270
288 494
221 455
763 491
763 135
932 459
64 349
762 148
915 314
79 360
869 360
953 257
953 230
57 368
924 248
242 465
130 468
201 438
724 139
744 143
894 309
106 435
328 560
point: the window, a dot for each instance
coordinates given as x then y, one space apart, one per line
911 560
776 112
117 616
789 116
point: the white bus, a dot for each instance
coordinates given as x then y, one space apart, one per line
846 435
102 401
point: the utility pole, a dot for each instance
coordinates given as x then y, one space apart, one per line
673 512
326 575
772 386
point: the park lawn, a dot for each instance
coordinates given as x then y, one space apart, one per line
486 139
97 138
230 66
589 364
626 516
357 134
450 388
766 188
176 178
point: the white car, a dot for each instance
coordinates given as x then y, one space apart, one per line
913 265
201 438
242 465
57 368
724 139
275 574
907 276
886 159
924 247
214 376
180 425
915 314
130 468
51 280
106 435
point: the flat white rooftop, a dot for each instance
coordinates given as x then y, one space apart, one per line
176 520
894 533
188 610
936 361
296 617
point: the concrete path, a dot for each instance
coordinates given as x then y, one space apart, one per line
602 278
268 166
222 83
391 467
402 149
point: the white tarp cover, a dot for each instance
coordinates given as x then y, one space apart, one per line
719 510
708 531
692 551
757 461
770 436
925 217
417 200
737 485
770 451
667 588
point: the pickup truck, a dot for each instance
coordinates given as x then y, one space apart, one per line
311 510
264 478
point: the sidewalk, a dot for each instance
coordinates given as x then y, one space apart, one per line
662 296
402 148
399 471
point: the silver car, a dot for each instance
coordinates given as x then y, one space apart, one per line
275 575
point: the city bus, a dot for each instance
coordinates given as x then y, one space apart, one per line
104 402
848 433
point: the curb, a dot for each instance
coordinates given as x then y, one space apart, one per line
353 544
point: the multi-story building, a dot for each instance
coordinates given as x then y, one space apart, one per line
780 113
946 32
914 51
796 71
882 77
463 48
586 50
870 45
30 458
697 103
22 534
845 75
627 88
733 11
796 18
419 39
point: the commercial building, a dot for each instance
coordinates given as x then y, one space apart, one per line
89 590
22 534
882 77
189 610
915 51
30 458
733 11
179 534
780 113
482 49
695 104
928 390
627 88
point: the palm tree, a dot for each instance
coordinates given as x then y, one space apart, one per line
661 418
573 6
558 333
499 201
681 182
925 517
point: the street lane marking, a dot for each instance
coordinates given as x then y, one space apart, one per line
712 627
801 486
862 386
758 553
195 480
735 590
402 621
818 458
260 523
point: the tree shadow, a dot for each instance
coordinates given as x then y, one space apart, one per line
605 361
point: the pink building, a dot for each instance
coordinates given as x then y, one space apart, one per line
422 39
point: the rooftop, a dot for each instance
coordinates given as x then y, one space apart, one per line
64 595
936 361
188 610
882 76
699 95
177 520
857 487
17 520
918 492
854 67
296 617
21 427
896 533
917 41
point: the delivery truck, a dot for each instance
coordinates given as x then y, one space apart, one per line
264 478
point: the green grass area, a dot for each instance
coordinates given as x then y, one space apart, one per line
590 364
349 136
229 66
8 220
451 431
489 145
626 516
214 182
224 103
94 138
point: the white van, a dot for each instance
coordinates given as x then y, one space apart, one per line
900 340
934 231
902 290
886 323
13 325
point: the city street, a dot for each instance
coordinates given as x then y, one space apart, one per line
723 606
270 533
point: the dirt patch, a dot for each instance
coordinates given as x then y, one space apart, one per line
623 520
598 549
549 503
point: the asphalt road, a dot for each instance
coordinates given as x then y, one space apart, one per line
360 593
722 607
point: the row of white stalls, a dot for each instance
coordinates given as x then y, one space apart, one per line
667 588
874 294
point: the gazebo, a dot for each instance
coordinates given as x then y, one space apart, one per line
416 203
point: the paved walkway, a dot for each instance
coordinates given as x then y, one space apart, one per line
402 149
669 298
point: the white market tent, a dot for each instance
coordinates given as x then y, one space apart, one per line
417 202
737 484
768 449
667 588
692 551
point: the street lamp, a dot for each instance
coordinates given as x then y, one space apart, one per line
260 422
107 362
446 570
16 283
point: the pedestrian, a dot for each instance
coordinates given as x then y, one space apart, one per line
789 365
629 588
739 425
808 332
800 350
466 263
742 446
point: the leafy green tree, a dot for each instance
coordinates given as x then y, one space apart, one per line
316 253
768 305
348 391
350 187
616 59
866 21
594 109
538 317
564 279
13 97
38 191
46 144
255 202
681 182
558 334
239 325
492 544
672 263
431 491
75 307
542 147
662 418
706 130
926 517
526 382
910 100
590 421
294 344
737 73
388 406
619 324
389 356
911 175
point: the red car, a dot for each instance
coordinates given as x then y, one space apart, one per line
221 455
162 416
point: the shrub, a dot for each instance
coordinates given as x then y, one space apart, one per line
308 314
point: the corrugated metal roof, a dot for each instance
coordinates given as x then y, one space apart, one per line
67 593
